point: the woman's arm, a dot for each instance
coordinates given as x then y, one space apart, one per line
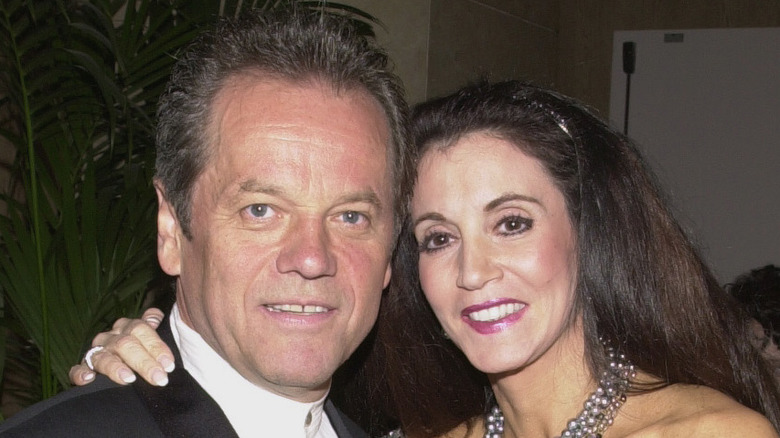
132 345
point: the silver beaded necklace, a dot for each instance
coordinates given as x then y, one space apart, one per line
599 409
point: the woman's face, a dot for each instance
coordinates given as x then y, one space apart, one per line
497 251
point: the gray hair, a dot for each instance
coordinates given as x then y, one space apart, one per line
296 45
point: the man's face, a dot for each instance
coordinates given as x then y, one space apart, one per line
292 225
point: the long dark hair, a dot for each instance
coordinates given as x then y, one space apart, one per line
641 282
759 293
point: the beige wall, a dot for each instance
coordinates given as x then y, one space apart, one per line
497 39
404 33
438 45
586 27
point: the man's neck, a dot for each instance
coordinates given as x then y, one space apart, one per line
250 408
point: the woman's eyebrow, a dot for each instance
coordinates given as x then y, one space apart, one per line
492 205
428 216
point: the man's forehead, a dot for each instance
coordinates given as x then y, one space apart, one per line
242 81
279 91
284 129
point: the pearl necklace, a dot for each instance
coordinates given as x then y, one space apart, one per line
599 409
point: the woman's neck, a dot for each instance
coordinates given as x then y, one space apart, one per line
541 398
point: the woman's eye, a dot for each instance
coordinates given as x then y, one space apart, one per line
435 241
259 211
514 225
353 217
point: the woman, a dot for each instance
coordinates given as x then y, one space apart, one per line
553 266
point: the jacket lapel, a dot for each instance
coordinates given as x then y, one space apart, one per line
344 427
183 408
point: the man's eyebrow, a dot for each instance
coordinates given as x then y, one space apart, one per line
507 197
254 186
368 197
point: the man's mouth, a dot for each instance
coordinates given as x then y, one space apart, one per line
296 309
496 312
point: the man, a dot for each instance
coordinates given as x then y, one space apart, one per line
280 140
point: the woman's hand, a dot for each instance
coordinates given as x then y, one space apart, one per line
132 345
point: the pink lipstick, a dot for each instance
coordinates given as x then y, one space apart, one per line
493 316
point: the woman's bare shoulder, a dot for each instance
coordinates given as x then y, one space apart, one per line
692 411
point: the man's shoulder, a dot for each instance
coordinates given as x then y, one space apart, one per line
100 409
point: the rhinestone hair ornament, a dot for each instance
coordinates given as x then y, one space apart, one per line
530 101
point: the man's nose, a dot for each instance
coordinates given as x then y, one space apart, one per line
308 251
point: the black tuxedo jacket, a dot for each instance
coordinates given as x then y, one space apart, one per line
105 409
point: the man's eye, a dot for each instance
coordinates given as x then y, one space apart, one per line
259 211
353 217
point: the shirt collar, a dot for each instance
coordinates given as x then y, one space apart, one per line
251 410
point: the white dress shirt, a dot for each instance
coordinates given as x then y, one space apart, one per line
251 410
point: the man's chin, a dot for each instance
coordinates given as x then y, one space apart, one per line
305 384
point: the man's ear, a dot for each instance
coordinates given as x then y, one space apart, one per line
169 234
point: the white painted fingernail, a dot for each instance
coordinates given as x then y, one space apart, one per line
167 363
159 378
126 376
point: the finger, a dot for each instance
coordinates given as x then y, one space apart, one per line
81 375
120 324
151 342
105 362
153 317
133 345
105 339
135 354
146 336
